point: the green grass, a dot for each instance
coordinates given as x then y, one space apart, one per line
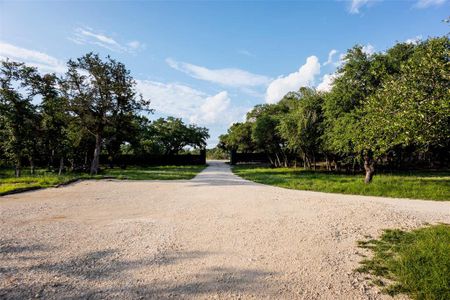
424 185
416 263
155 173
43 179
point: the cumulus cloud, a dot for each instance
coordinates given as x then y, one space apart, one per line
327 83
428 3
356 5
188 103
34 58
228 77
86 35
212 109
292 82
330 57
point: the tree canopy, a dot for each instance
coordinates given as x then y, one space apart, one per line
383 108
93 108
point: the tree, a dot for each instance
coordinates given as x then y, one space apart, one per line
17 113
302 126
353 83
413 107
238 138
169 136
55 120
100 91
265 133
357 80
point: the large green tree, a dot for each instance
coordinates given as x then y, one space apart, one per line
302 126
18 117
101 94
238 138
55 118
411 108
265 121
170 135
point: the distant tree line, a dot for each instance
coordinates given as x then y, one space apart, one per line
383 109
68 121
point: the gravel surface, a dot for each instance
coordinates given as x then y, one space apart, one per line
216 236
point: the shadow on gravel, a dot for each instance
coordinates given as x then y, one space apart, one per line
104 274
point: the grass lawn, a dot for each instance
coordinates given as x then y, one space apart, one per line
423 185
155 173
43 179
416 263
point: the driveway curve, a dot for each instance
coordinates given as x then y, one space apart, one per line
215 236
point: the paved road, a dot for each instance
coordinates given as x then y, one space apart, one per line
216 236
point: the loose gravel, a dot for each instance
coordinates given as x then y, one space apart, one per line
214 237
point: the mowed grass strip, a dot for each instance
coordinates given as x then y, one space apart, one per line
43 178
155 173
416 263
423 185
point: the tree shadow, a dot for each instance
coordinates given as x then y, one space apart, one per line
105 264
213 281
105 274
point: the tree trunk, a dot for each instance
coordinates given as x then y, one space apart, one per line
72 164
61 166
369 166
31 166
314 161
95 160
52 157
17 170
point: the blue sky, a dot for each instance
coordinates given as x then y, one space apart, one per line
210 62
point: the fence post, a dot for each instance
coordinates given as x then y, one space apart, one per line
203 156
232 157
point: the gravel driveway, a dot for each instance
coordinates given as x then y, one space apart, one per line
216 236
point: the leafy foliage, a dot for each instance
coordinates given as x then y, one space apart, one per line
169 136
92 109
388 108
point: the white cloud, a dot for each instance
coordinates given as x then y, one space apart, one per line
135 45
356 5
292 82
34 58
99 37
228 77
188 103
330 57
85 35
246 53
414 40
428 3
212 109
327 83
368 49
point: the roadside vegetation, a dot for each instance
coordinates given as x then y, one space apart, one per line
416 263
155 173
415 185
42 178
387 110
65 123
217 153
